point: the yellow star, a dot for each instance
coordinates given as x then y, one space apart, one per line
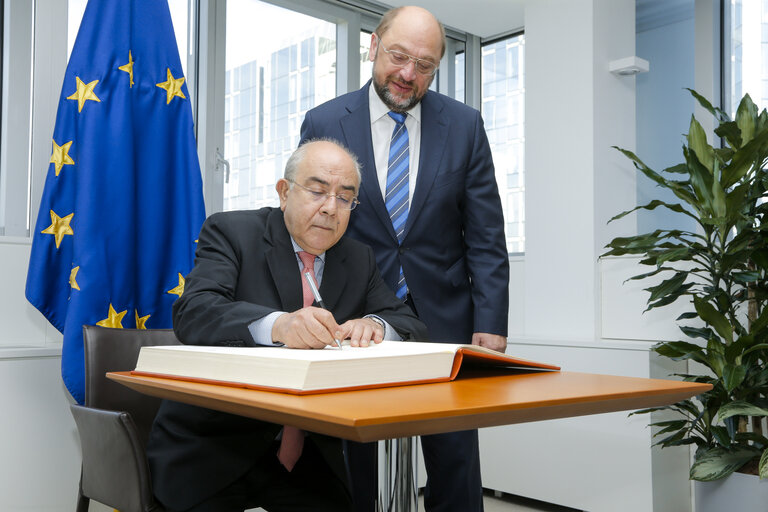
60 156
84 92
128 68
73 278
178 290
172 87
59 227
114 319
141 321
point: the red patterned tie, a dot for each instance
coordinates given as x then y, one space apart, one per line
292 442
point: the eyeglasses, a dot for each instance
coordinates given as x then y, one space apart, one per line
400 59
343 201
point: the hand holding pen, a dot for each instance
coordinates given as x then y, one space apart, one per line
318 298
360 331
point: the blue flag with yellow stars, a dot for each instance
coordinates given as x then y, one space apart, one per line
122 205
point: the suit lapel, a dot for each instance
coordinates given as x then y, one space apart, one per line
357 134
434 136
334 275
282 262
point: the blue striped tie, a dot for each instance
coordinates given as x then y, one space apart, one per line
397 187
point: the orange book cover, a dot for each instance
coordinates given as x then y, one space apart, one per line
323 371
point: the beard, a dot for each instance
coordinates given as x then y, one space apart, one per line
395 103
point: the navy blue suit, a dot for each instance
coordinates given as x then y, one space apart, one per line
453 253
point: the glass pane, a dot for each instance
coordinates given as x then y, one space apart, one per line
366 66
503 109
460 74
747 53
279 65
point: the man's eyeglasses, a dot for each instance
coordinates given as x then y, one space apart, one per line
400 59
343 201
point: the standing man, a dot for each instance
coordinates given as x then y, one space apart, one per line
247 289
430 209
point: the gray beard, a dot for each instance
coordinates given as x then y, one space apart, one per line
391 102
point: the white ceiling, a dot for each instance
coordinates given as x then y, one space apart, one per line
489 18
485 18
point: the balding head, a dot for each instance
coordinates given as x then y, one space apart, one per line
413 15
406 50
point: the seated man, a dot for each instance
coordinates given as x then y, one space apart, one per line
247 289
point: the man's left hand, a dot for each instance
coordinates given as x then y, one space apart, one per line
361 332
491 341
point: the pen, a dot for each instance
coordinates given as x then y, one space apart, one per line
318 298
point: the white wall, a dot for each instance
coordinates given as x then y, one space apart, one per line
40 465
577 309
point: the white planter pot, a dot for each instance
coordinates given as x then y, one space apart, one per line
737 492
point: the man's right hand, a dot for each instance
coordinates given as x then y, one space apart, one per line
306 328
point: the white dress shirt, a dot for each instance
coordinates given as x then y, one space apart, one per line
382 127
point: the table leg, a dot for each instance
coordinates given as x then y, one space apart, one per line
398 489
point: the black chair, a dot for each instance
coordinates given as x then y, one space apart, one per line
114 424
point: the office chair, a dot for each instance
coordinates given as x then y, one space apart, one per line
115 422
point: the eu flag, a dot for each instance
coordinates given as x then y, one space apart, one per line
122 204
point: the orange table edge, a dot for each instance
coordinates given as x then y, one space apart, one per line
473 400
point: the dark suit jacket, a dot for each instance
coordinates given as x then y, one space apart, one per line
454 253
245 268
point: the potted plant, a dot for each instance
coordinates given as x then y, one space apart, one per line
721 268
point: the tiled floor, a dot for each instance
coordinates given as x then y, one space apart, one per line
509 503
505 503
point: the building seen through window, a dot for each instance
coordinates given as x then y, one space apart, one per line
280 64
503 94
746 53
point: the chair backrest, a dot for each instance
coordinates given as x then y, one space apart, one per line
112 350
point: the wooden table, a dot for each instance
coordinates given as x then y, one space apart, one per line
474 400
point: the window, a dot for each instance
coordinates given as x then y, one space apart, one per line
503 94
746 53
30 100
279 64
366 66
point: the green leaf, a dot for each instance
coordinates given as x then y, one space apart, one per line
677 169
697 332
733 376
680 189
759 346
697 142
746 117
740 408
652 206
678 350
730 132
721 435
762 468
719 114
667 286
714 318
717 463
746 277
744 159
701 181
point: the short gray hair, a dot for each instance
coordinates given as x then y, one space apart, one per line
292 165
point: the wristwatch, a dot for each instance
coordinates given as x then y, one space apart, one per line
378 321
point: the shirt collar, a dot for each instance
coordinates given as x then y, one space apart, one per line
378 109
297 248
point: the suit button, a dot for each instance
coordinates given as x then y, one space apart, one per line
401 250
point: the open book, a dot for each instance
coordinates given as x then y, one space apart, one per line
390 363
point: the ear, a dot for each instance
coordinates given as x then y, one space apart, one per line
373 48
282 186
